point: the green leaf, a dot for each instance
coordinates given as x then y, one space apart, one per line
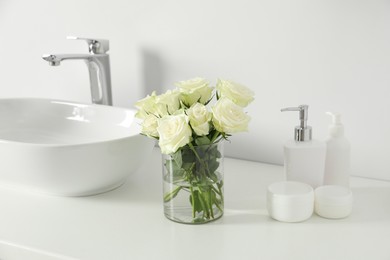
188 156
195 201
177 158
204 206
187 166
202 140
174 172
213 166
226 136
169 196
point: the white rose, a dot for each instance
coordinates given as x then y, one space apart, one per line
161 105
146 106
169 101
194 90
149 126
174 133
199 119
229 117
239 94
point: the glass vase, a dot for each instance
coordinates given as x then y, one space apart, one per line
193 184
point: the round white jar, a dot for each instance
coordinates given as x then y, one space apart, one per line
333 201
290 201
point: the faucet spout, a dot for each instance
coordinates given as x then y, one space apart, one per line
52 59
99 72
55 59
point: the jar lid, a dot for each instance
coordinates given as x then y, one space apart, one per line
291 191
333 201
333 195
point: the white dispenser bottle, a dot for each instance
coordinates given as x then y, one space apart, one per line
338 151
304 158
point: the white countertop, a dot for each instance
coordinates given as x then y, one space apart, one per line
128 223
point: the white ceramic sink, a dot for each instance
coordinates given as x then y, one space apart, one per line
66 148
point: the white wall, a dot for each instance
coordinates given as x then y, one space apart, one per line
332 55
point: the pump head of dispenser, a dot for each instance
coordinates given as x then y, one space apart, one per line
336 128
303 132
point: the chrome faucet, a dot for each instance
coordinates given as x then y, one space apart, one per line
98 62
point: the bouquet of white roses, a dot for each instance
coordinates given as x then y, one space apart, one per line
184 119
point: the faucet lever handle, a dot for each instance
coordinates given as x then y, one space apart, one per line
96 46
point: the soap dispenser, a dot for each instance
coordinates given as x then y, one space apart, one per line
338 150
304 157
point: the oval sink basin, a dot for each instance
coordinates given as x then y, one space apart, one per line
66 148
